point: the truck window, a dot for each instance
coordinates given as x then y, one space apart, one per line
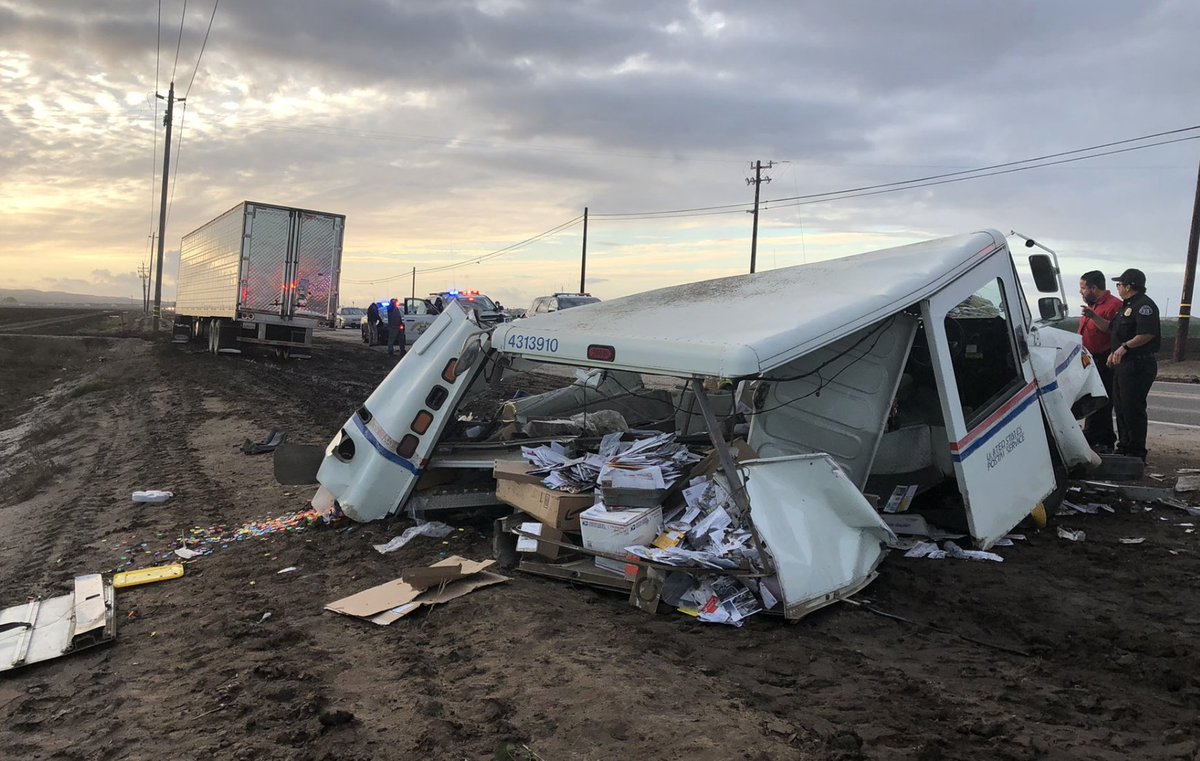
416 306
982 353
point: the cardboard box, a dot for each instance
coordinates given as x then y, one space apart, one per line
515 470
538 545
613 531
557 509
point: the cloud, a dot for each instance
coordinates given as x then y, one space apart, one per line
451 129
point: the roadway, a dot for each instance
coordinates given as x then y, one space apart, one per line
1175 404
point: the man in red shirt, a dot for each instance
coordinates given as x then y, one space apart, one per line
1099 308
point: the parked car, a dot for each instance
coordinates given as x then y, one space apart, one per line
349 317
547 304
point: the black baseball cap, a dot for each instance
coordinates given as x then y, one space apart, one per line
1133 277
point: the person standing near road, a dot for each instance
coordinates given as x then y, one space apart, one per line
395 321
1099 309
372 323
1136 336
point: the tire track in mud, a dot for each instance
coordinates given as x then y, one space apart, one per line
139 439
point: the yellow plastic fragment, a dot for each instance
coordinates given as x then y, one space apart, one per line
147 575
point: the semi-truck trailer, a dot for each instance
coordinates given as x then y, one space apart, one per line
259 275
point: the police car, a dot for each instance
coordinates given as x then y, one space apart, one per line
547 304
490 312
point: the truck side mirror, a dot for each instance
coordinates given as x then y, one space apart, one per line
1051 308
1045 274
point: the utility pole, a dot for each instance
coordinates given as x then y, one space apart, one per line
414 283
162 209
144 274
583 261
1189 280
757 180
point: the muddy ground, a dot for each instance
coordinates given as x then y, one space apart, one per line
1065 650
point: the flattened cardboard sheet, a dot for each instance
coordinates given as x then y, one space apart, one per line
445 580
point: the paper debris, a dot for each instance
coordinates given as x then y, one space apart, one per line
289 569
725 601
1074 536
926 550
1132 540
901 498
954 551
435 529
187 554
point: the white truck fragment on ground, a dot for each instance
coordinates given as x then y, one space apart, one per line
41 630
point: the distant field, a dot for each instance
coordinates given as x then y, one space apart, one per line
11 314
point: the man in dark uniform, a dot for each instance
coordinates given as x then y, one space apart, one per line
395 326
1136 336
372 324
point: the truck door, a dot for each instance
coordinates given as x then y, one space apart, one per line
418 316
989 398
315 263
266 262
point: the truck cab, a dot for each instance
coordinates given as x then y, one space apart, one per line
917 368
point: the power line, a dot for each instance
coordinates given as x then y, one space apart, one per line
836 197
179 42
1005 164
701 211
202 46
154 129
474 259
178 150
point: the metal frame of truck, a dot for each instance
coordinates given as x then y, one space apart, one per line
259 274
911 363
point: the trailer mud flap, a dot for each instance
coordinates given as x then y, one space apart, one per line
821 532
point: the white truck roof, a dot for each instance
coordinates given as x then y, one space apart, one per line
745 325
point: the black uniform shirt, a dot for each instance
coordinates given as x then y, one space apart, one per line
1138 316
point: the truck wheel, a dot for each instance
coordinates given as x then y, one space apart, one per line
214 336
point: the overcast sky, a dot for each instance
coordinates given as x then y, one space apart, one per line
449 130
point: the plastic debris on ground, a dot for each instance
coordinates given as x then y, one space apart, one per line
200 541
147 576
435 529
152 496
1071 535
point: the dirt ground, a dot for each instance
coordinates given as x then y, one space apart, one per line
1066 650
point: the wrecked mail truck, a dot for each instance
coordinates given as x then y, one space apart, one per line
918 367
